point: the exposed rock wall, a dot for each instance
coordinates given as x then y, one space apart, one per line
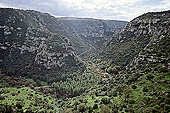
139 35
29 48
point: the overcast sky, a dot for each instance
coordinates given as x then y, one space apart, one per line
103 9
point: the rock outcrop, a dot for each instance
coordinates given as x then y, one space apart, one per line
32 46
143 35
93 32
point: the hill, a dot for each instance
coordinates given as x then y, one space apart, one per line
92 32
139 70
33 47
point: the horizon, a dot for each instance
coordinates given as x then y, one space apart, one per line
79 17
62 16
124 10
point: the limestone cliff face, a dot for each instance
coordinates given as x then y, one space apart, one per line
156 54
93 32
28 47
143 33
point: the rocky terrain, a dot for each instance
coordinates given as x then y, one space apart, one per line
29 47
40 45
137 35
41 63
138 70
93 32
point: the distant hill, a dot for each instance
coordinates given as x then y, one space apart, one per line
93 32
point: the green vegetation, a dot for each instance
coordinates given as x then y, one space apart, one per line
25 99
133 75
76 84
38 82
151 92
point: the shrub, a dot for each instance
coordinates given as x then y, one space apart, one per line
102 67
145 89
112 70
113 92
149 76
105 109
134 86
167 107
90 110
82 108
131 101
19 105
105 100
8 109
163 69
127 91
2 97
95 106
68 111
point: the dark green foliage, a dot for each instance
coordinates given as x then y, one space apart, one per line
75 84
149 76
134 86
105 100
7 109
145 89
81 108
2 97
113 93
19 105
95 106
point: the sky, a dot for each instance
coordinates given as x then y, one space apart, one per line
100 9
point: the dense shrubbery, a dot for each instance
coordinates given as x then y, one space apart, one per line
113 70
150 90
19 100
75 84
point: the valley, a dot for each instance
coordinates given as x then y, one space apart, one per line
84 65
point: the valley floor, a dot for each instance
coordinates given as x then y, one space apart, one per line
95 91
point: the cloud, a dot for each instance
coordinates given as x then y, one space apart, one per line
145 7
105 9
3 5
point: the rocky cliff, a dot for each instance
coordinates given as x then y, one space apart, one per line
144 33
33 44
93 32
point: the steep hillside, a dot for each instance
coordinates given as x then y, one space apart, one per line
53 25
142 49
93 32
137 34
132 76
30 46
